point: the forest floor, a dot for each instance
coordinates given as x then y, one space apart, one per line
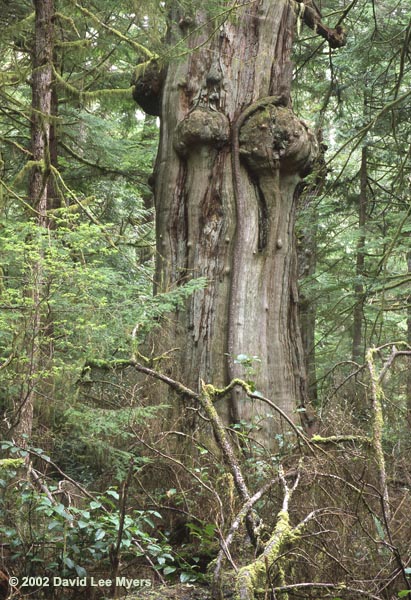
182 591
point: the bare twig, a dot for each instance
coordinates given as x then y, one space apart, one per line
331 586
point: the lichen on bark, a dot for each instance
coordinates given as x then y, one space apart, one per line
275 138
201 128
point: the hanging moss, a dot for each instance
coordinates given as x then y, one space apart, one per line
87 98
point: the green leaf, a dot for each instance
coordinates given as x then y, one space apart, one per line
81 572
68 562
379 527
100 534
61 510
113 493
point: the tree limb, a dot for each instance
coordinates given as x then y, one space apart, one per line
309 13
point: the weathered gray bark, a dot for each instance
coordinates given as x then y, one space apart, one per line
231 155
358 313
307 264
409 344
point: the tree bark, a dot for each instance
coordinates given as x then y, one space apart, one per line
230 157
409 344
38 192
357 336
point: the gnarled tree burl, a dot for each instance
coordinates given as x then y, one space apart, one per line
231 155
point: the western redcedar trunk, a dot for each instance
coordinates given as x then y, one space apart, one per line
231 155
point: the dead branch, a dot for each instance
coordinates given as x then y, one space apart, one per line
226 543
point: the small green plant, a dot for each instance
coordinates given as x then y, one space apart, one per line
250 365
48 536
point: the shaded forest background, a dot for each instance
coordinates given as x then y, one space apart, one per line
92 483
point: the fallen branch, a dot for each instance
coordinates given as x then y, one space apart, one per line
253 577
226 543
339 588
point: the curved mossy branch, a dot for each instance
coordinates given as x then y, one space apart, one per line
226 543
377 395
108 365
252 578
87 97
221 392
220 434
212 392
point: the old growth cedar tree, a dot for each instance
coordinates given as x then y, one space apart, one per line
231 155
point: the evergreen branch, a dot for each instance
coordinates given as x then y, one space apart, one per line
103 168
87 97
366 128
89 214
114 31
19 198
15 145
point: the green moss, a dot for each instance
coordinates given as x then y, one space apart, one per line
215 393
11 463
252 578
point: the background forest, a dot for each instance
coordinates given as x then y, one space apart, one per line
91 483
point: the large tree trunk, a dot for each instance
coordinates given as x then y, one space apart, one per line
231 155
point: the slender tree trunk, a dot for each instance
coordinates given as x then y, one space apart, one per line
357 337
41 82
307 263
409 344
